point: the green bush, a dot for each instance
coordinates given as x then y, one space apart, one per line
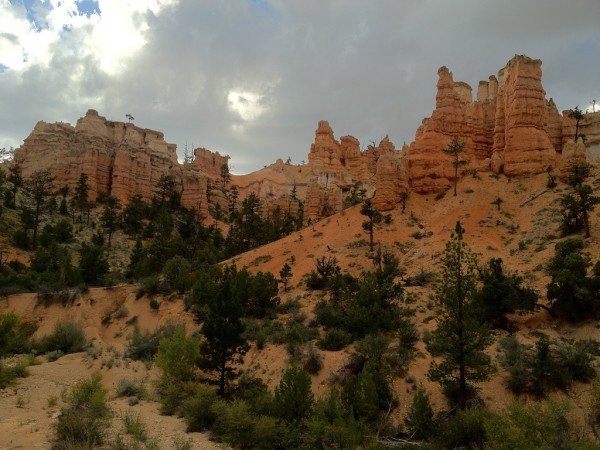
10 372
548 365
313 361
537 425
197 409
84 421
177 273
466 429
21 239
66 337
237 425
335 339
420 419
14 334
130 388
144 345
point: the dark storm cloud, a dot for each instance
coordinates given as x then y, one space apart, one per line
369 68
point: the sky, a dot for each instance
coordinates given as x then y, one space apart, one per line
252 78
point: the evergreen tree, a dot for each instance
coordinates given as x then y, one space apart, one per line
166 194
572 290
225 175
454 150
576 114
459 338
501 293
420 416
80 197
224 344
294 399
133 214
15 177
578 204
110 216
285 274
93 264
38 188
373 216
403 199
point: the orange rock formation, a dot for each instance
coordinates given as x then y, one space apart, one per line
508 128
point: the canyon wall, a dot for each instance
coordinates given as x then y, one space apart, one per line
509 128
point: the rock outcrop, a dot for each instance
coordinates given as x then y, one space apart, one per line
510 128
120 159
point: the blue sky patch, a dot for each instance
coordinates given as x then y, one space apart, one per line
88 7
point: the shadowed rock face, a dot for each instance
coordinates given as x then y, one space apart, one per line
120 159
509 128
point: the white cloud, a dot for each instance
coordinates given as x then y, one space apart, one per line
252 78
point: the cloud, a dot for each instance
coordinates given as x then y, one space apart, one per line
251 78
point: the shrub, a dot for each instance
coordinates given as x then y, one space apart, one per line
66 337
420 417
237 425
538 425
14 334
197 409
313 361
21 239
177 274
293 396
548 365
335 339
84 421
10 372
144 345
177 357
465 430
134 426
130 388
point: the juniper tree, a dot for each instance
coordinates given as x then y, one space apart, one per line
459 339
454 150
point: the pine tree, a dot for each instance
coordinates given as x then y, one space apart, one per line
224 343
374 217
38 188
284 275
454 150
15 177
578 204
110 216
576 114
459 338
80 197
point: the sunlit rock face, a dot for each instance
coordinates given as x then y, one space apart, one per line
509 128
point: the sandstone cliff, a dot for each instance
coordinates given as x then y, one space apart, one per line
120 159
509 128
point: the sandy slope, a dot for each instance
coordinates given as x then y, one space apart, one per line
523 233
